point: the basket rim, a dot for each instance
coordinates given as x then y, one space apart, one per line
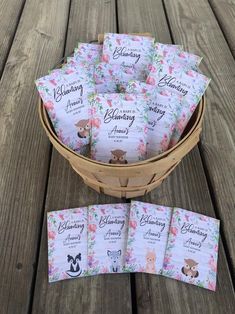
46 125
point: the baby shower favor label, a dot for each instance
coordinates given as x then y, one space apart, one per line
107 234
163 113
147 237
128 50
189 84
192 249
119 127
65 96
67 244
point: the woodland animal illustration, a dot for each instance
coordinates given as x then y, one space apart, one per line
151 261
118 156
75 269
83 127
114 257
190 268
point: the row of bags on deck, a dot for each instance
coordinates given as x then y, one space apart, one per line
136 237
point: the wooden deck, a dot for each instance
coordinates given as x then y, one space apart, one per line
35 178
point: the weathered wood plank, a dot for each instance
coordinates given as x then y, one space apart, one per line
24 149
99 294
186 187
10 12
140 17
225 13
194 25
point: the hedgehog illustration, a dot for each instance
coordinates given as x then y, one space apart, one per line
83 127
190 268
118 156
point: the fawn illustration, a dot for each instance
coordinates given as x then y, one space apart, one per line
151 261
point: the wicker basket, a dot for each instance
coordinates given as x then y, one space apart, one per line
134 179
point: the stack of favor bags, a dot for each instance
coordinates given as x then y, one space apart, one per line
124 101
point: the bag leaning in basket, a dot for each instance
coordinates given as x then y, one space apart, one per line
134 179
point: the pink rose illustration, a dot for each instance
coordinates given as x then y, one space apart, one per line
150 81
51 235
164 142
118 41
181 55
181 122
128 97
153 69
190 73
66 141
128 71
109 102
173 127
171 69
133 85
97 79
211 285
164 93
174 231
53 82
105 58
96 123
135 38
132 224
105 270
49 105
103 211
92 227
69 71
61 216
212 264
145 209
178 277
192 108
110 72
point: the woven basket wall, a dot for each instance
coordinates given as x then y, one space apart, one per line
129 180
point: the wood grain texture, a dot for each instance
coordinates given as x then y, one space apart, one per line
135 16
186 187
24 149
98 294
194 25
224 11
10 12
